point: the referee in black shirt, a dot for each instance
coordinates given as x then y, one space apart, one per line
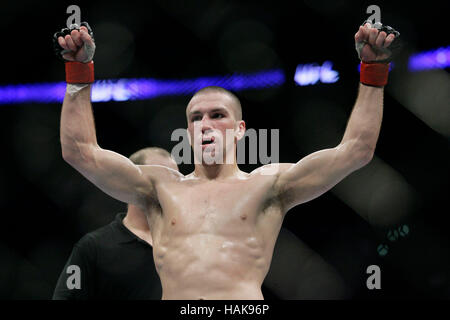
116 261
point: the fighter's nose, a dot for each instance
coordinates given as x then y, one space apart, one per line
206 130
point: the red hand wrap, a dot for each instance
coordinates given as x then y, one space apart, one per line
78 72
374 74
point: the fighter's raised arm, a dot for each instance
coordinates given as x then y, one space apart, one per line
113 173
319 172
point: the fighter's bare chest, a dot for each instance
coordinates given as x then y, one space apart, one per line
213 205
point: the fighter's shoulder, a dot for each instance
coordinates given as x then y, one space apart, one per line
158 172
271 170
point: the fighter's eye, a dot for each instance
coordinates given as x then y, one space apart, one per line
196 118
217 116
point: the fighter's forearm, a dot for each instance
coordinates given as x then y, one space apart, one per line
77 124
364 124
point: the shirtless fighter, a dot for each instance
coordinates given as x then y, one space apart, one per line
217 227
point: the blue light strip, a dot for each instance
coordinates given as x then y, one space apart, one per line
41 92
139 89
433 59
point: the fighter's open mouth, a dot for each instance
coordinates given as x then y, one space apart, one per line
208 140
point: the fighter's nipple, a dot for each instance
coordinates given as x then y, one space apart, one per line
173 221
243 217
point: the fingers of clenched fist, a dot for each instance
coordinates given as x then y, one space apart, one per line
75 43
363 33
373 33
70 43
62 43
389 40
75 39
379 41
373 36
85 36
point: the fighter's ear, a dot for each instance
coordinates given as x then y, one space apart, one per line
240 129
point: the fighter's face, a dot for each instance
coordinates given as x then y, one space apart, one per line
210 115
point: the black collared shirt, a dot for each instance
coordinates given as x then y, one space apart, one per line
113 263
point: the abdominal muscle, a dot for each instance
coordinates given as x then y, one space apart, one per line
208 266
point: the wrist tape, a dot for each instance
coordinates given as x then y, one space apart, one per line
78 72
374 74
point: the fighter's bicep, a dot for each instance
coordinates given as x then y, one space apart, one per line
312 176
115 175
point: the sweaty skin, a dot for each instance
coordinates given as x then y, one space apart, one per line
214 230
214 239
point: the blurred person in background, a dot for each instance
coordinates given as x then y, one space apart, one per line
116 261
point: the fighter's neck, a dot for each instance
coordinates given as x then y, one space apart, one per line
216 171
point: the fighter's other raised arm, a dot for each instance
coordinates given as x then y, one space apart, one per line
113 173
320 171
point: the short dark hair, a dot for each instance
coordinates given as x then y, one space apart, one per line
237 103
140 156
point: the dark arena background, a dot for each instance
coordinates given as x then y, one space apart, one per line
294 67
